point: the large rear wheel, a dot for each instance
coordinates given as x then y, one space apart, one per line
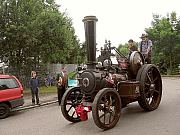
106 108
150 87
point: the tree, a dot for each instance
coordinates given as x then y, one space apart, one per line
123 49
82 53
35 32
165 34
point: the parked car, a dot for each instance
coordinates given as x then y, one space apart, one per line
11 94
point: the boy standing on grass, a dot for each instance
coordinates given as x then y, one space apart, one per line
34 83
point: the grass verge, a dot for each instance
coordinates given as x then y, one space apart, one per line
43 90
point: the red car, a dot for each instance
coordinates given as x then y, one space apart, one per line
11 94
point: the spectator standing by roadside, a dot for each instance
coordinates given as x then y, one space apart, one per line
34 83
145 47
61 83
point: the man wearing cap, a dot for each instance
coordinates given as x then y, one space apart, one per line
145 47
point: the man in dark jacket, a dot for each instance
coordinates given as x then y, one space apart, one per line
62 83
34 83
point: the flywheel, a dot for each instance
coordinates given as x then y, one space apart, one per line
136 61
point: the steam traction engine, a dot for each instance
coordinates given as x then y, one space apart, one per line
105 88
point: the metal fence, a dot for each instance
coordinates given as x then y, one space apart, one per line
51 71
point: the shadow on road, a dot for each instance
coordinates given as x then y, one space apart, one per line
130 114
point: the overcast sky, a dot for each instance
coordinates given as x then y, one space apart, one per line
118 20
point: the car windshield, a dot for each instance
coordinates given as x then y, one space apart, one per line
8 83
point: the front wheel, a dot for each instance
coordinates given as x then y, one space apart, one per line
4 110
106 109
70 100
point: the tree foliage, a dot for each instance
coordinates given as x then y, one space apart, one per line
34 32
165 34
123 49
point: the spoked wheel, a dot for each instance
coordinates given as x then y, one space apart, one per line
71 98
106 108
150 87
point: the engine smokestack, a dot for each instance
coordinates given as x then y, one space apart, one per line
90 36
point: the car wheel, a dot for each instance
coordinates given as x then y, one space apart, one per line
4 110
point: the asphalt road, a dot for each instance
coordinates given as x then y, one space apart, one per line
48 120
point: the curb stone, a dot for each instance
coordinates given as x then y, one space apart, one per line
33 106
175 76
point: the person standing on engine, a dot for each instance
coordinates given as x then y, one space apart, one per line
145 47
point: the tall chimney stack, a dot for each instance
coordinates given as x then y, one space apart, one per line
90 36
